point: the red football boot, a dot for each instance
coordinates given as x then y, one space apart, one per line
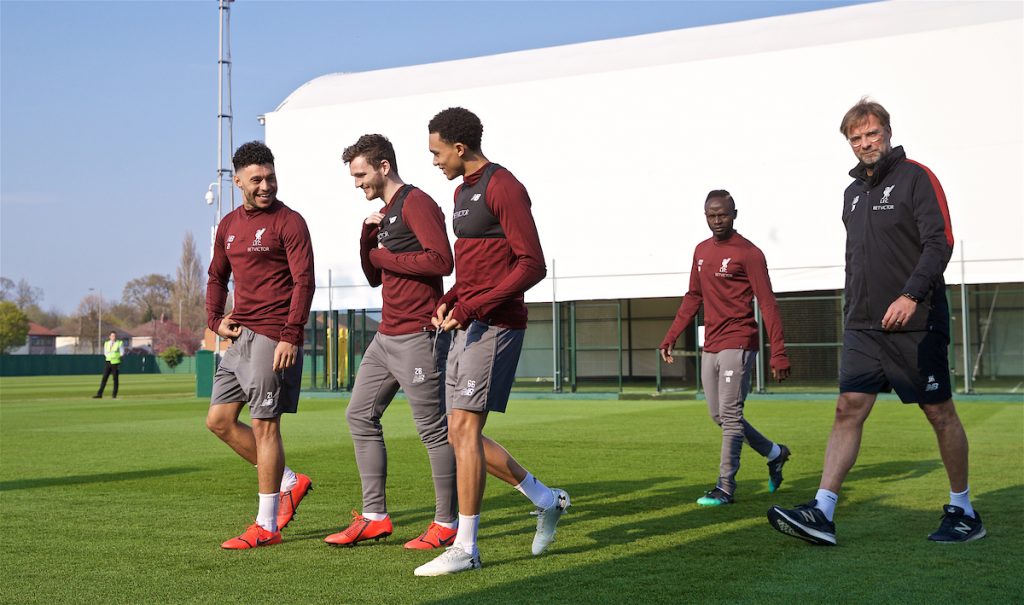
254 536
436 536
289 501
362 529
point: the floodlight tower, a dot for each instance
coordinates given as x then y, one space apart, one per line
225 123
225 128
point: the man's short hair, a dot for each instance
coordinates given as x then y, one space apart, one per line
720 193
458 125
375 148
114 332
860 112
253 152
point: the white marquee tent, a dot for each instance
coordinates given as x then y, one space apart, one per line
618 142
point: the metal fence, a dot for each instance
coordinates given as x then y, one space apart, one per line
611 345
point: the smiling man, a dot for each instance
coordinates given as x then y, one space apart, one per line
728 271
896 334
265 246
497 258
404 248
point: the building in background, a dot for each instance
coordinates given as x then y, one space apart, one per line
620 140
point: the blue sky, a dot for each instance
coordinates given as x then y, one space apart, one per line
108 126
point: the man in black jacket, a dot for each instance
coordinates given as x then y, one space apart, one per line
898 242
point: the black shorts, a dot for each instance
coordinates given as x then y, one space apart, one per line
914 364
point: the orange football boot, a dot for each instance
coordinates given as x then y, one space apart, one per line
436 536
254 536
362 529
289 501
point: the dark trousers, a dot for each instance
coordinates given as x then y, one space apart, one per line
112 368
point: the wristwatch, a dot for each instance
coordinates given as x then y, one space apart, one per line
911 297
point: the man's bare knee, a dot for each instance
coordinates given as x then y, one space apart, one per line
218 422
853 408
941 415
266 428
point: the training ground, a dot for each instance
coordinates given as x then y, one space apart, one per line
128 500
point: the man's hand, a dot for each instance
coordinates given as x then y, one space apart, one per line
374 219
898 314
666 354
439 314
442 319
228 328
780 374
285 355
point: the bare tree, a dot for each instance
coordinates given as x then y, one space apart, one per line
22 294
187 302
26 295
150 294
7 289
90 332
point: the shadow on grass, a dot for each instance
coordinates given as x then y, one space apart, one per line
94 478
732 555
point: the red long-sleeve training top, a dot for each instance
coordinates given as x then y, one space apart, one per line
492 274
411 280
270 255
725 277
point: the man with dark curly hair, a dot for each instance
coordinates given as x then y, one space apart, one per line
404 248
497 258
265 246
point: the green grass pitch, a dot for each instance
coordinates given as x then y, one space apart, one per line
127 501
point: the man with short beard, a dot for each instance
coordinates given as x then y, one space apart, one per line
265 246
403 248
898 242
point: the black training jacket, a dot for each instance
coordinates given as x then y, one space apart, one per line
898 240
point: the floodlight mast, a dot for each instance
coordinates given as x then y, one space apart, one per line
225 129
225 121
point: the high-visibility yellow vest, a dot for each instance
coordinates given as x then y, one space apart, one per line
112 351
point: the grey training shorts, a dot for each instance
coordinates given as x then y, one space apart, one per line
482 364
246 374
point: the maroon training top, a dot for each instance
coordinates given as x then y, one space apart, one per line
411 279
491 274
270 255
725 276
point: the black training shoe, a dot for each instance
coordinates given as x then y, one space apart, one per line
775 469
806 522
958 527
715 497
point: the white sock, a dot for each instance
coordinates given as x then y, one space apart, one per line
376 516
963 500
465 537
827 502
775 453
538 493
267 515
288 480
447 525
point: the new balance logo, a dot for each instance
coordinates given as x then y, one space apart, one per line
807 515
476 197
963 528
